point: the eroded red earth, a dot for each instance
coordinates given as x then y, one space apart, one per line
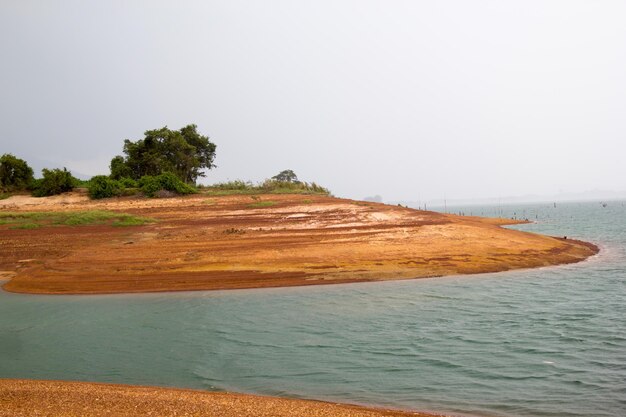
204 243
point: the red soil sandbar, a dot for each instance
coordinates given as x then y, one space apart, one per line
209 243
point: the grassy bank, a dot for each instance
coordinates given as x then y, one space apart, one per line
34 220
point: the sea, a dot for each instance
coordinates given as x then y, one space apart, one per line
537 342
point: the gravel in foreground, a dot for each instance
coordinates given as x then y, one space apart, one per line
61 398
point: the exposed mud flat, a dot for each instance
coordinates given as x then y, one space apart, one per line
208 243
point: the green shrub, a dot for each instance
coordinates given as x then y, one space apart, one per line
128 182
150 185
54 181
171 182
102 186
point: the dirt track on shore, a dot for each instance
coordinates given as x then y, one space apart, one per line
207 243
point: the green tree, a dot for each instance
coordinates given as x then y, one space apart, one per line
119 169
185 153
54 181
15 174
286 176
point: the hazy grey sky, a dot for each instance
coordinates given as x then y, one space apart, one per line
407 99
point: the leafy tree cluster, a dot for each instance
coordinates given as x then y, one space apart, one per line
164 161
185 153
102 186
15 174
54 181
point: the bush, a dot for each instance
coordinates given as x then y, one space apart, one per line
15 174
128 182
151 186
54 181
102 186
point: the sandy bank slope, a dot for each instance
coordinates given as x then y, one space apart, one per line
206 243
57 398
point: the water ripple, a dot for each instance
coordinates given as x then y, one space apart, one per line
544 342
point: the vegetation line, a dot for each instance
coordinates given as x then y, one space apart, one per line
34 220
165 163
270 186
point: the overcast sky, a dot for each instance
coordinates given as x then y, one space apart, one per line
406 99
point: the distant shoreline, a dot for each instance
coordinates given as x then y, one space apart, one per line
202 242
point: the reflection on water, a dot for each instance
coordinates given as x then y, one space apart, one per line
541 342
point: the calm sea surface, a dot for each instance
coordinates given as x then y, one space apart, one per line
543 342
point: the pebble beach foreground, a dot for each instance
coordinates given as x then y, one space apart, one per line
19 397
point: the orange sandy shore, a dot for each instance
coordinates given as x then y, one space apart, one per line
208 243
60 398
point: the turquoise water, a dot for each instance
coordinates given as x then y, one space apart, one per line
543 342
